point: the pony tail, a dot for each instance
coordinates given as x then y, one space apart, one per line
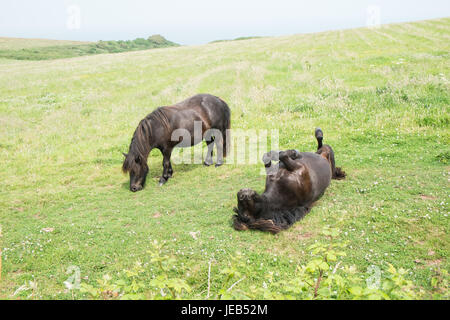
226 131
339 174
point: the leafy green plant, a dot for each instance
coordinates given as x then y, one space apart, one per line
439 282
132 286
233 274
169 287
324 276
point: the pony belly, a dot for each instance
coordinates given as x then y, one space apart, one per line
186 143
188 136
320 180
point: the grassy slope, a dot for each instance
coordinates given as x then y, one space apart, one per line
381 97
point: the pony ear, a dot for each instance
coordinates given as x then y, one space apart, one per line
137 159
125 154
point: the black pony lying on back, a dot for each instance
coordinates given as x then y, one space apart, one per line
292 186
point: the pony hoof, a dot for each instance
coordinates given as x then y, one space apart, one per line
282 155
266 159
207 164
218 164
162 181
295 154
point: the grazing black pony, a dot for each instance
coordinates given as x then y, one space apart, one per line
292 186
184 124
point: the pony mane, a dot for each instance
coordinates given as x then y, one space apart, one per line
140 145
159 115
280 219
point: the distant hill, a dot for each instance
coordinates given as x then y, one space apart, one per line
41 49
24 43
237 39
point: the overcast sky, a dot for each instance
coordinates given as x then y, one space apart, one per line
201 21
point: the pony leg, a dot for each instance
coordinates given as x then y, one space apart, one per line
269 157
210 139
170 170
214 136
288 162
267 160
293 154
166 165
220 148
209 153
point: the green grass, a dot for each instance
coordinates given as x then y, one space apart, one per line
61 50
381 97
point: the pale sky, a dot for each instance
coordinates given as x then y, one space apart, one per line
201 21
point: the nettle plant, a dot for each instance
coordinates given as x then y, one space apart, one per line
439 282
132 285
324 276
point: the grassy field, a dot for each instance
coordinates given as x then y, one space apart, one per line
381 97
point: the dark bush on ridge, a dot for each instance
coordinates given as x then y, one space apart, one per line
69 51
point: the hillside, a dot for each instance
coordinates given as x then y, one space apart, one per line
381 97
36 49
23 43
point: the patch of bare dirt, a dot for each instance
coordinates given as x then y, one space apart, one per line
299 234
156 215
426 197
436 262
